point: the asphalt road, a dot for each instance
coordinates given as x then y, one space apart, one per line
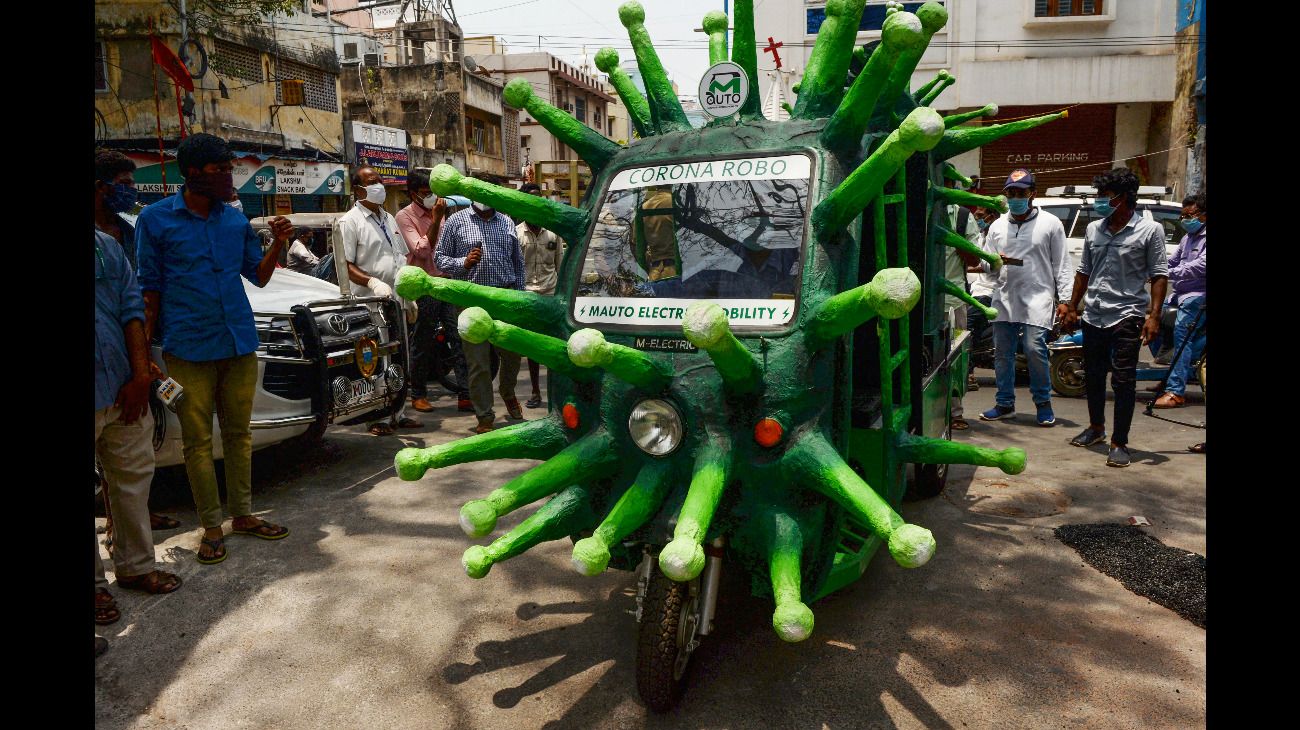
363 616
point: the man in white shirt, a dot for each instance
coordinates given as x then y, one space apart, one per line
300 258
375 251
980 284
543 252
963 222
1035 277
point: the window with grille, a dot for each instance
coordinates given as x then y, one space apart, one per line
235 61
319 90
1066 8
580 109
101 67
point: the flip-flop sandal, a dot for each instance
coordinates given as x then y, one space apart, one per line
409 423
154 582
381 429
1197 448
256 531
218 548
162 522
106 611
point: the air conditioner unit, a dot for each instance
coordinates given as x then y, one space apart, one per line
370 59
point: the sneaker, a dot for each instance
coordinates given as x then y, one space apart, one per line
513 409
1045 415
998 412
1088 437
1118 456
465 405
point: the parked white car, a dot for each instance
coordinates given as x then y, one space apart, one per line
1073 205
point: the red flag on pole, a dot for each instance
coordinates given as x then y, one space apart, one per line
171 64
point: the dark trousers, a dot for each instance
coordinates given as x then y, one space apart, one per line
977 323
424 349
1113 348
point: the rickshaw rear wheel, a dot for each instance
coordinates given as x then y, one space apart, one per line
666 639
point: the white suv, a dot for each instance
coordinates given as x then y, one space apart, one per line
1073 205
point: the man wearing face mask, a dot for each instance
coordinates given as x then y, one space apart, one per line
1121 252
1035 276
1187 293
981 285
543 252
193 248
480 245
115 193
375 251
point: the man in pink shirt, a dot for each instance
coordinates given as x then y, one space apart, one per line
420 222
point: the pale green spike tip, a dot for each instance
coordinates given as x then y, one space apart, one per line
517 93
1012 460
715 21
1000 203
409 276
922 129
410 467
682 559
705 324
590 556
606 59
933 16
793 621
902 31
911 545
586 347
477 562
478 518
475 325
631 13
943 73
443 179
902 290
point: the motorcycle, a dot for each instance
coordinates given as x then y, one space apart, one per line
1065 359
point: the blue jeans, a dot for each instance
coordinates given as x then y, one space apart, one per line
1006 337
1178 372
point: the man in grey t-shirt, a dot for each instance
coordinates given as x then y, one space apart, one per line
1121 253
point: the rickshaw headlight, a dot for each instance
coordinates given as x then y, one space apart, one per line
656 427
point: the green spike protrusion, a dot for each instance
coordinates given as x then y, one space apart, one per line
683 558
954 196
946 237
591 457
792 619
744 53
828 64
592 146
965 139
923 450
920 93
568 222
634 507
526 309
477 326
715 25
564 514
933 18
788 109
955 290
845 128
638 109
588 349
814 463
952 173
920 131
705 325
540 439
988 110
944 82
891 294
665 110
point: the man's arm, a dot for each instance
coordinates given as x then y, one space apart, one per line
1187 267
416 244
133 397
521 272
356 274
1060 259
282 230
1159 268
447 256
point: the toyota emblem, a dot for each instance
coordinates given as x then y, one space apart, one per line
338 323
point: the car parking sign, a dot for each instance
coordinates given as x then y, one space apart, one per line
723 89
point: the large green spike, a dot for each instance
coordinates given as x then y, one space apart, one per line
814 463
566 513
683 558
957 291
933 17
540 439
591 457
521 308
988 110
954 196
845 129
744 53
923 450
891 294
588 349
944 82
705 325
947 237
569 222
952 173
792 619
920 93
920 131
592 146
828 64
476 326
638 109
638 504
715 25
665 110
965 139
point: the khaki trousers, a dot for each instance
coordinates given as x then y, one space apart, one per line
478 361
226 386
126 453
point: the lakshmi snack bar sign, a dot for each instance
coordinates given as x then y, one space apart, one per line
669 312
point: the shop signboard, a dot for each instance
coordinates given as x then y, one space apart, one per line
383 148
253 175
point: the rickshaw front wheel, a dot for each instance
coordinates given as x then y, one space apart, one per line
666 637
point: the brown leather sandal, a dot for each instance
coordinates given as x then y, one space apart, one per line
154 582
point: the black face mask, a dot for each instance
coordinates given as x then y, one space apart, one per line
120 197
216 186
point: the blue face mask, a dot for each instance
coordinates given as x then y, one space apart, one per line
1018 206
1191 225
983 224
1103 207
121 197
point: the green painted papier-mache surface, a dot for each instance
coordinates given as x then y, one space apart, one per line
763 467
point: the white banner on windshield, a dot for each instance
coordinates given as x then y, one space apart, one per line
665 311
784 167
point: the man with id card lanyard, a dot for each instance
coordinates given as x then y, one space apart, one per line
375 251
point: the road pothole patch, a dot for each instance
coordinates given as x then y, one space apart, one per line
1007 497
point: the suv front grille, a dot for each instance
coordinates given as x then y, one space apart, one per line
357 324
287 380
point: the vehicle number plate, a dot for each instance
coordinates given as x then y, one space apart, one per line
362 389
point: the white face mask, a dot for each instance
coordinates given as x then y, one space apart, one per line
429 202
237 204
375 193
479 207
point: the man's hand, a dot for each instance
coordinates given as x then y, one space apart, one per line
1066 316
133 398
379 287
1150 328
155 372
412 311
473 257
281 228
440 209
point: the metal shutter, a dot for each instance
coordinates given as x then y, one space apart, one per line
1084 140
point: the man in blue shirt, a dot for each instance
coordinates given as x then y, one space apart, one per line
193 248
123 428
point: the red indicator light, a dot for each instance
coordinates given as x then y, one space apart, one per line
768 432
570 414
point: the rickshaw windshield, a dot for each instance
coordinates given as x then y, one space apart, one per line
729 230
